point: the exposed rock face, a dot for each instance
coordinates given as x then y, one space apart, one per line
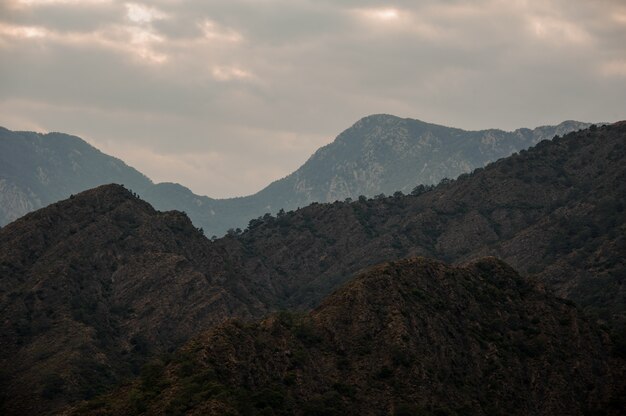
407 337
384 154
14 202
379 154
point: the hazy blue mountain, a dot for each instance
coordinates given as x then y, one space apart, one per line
384 154
378 154
38 169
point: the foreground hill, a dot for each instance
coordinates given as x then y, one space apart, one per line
94 285
378 154
413 337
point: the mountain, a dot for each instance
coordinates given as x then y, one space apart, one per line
379 154
93 286
39 169
555 211
412 337
384 154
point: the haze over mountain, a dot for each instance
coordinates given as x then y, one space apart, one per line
379 154
93 286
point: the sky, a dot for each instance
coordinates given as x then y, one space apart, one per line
225 96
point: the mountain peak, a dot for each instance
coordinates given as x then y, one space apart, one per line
105 271
98 200
374 118
387 282
111 191
382 120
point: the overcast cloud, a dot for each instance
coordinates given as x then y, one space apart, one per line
225 96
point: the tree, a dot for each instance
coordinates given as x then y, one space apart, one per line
420 189
254 223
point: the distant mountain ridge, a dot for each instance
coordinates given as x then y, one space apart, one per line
378 154
39 169
384 153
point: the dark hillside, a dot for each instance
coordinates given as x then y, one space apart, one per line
413 337
93 285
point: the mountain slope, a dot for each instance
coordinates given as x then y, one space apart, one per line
93 285
86 280
556 211
383 154
379 154
37 170
407 337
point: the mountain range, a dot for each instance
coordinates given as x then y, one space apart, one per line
96 287
378 154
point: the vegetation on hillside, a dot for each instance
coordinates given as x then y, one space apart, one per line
95 285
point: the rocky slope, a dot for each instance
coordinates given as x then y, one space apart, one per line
384 154
379 154
413 337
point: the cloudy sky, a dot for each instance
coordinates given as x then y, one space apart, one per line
225 96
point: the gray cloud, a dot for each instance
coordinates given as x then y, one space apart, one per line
225 96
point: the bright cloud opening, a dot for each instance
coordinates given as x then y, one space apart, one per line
23 32
616 68
139 13
230 73
383 15
387 14
557 31
142 42
213 31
